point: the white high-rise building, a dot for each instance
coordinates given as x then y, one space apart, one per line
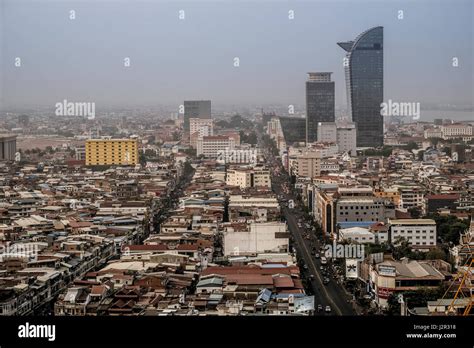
211 146
198 128
342 134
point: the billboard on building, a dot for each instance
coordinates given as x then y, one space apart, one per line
352 268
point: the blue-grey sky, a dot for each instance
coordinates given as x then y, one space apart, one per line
173 60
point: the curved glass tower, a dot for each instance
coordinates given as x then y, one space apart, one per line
364 84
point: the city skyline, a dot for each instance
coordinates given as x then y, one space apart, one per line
273 58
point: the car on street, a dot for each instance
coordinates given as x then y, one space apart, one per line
328 309
305 266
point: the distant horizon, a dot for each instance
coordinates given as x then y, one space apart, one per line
173 60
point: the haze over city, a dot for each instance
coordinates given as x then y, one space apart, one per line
173 59
238 159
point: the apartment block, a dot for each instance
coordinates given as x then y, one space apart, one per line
100 152
198 128
420 233
211 146
249 177
256 238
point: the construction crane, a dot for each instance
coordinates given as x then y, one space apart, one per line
463 283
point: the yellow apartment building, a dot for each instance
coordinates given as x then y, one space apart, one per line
103 152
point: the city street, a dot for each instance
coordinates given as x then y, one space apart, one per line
331 294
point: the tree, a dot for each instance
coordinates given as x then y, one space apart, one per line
175 136
449 227
436 254
447 150
420 155
414 298
415 212
435 141
248 138
411 146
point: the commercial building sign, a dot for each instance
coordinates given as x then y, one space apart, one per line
384 293
389 271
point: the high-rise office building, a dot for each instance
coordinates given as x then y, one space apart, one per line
196 109
364 85
7 147
319 102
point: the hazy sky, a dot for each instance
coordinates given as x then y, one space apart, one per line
173 60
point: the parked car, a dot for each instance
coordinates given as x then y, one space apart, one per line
317 255
328 309
320 308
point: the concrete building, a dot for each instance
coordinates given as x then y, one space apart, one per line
390 276
420 233
411 196
80 153
100 152
342 134
433 133
7 147
258 176
308 164
346 138
198 128
275 131
195 109
258 238
327 132
457 130
357 234
211 146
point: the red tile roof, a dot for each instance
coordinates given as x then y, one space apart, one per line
283 282
445 196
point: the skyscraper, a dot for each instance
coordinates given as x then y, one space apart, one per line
319 102
364 85
196 109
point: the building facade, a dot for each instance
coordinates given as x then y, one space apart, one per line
195 109
364 84
103 152
420 233
198 128
212 146
320 102
7 147
249 177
